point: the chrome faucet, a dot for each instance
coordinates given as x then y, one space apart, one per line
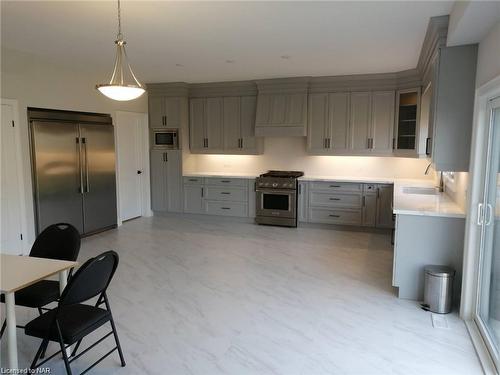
441 181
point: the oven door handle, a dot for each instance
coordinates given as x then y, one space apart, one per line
276 191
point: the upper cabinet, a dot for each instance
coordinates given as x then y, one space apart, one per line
449 106
357 123
406 131
165 112
328 129
223 125
281 108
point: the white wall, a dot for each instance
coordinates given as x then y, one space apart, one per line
488 63
290 154
40 83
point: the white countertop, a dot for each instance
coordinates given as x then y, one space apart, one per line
374 180
440 205
221 174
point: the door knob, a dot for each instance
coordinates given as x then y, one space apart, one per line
139 172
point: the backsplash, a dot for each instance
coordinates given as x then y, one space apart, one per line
290 154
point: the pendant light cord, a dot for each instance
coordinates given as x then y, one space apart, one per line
119 36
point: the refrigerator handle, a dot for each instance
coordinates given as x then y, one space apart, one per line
87 184
79 145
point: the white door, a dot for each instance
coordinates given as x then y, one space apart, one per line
10 189
130 163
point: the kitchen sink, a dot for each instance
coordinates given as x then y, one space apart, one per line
420 190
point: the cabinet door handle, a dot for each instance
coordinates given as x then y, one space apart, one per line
202 192
378 193
225 192
489 214
393 143
480 219
324 143
225 181
427 146
166 156
334 215
334 199
334 186
226 208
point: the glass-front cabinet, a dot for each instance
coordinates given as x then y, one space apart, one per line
405 141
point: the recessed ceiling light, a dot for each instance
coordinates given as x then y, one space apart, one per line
230 61
286 57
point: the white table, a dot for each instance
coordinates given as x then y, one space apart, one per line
18 272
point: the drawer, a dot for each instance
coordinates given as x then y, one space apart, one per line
223 193
226 208
335 216
370 188
241 182
335 186
193 180
335 200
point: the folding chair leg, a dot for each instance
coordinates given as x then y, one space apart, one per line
3 327
41 349
76 347
40 312
63 350
122 359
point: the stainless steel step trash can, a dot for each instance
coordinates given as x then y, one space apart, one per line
438 289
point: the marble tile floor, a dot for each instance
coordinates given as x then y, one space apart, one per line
213 296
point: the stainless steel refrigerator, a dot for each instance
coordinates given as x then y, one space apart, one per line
73 166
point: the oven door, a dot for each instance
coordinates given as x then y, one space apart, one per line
276 203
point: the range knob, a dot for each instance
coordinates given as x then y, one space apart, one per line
275 184
266 184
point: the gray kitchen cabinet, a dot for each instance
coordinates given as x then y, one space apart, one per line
302 202
369 211
328 123
382 122
360 121
452 108
318 124
239 123
197 120
165 112
281 114
214 123
384 206
166 181
206 124
193 198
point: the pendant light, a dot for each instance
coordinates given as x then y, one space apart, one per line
118 88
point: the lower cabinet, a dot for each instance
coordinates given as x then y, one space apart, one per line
345 203
166 181
193 195
217 196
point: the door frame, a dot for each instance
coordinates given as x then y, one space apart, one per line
143 145
471 264
20 167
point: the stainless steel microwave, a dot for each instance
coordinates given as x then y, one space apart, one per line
165 139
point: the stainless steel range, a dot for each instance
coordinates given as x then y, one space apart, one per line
276 200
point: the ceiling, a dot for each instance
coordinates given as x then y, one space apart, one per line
216 41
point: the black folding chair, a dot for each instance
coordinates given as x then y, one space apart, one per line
58 241
71 320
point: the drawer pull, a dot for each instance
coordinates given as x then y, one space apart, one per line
225 192
334 199
225 181
225 208
334 215
193 179
335 186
